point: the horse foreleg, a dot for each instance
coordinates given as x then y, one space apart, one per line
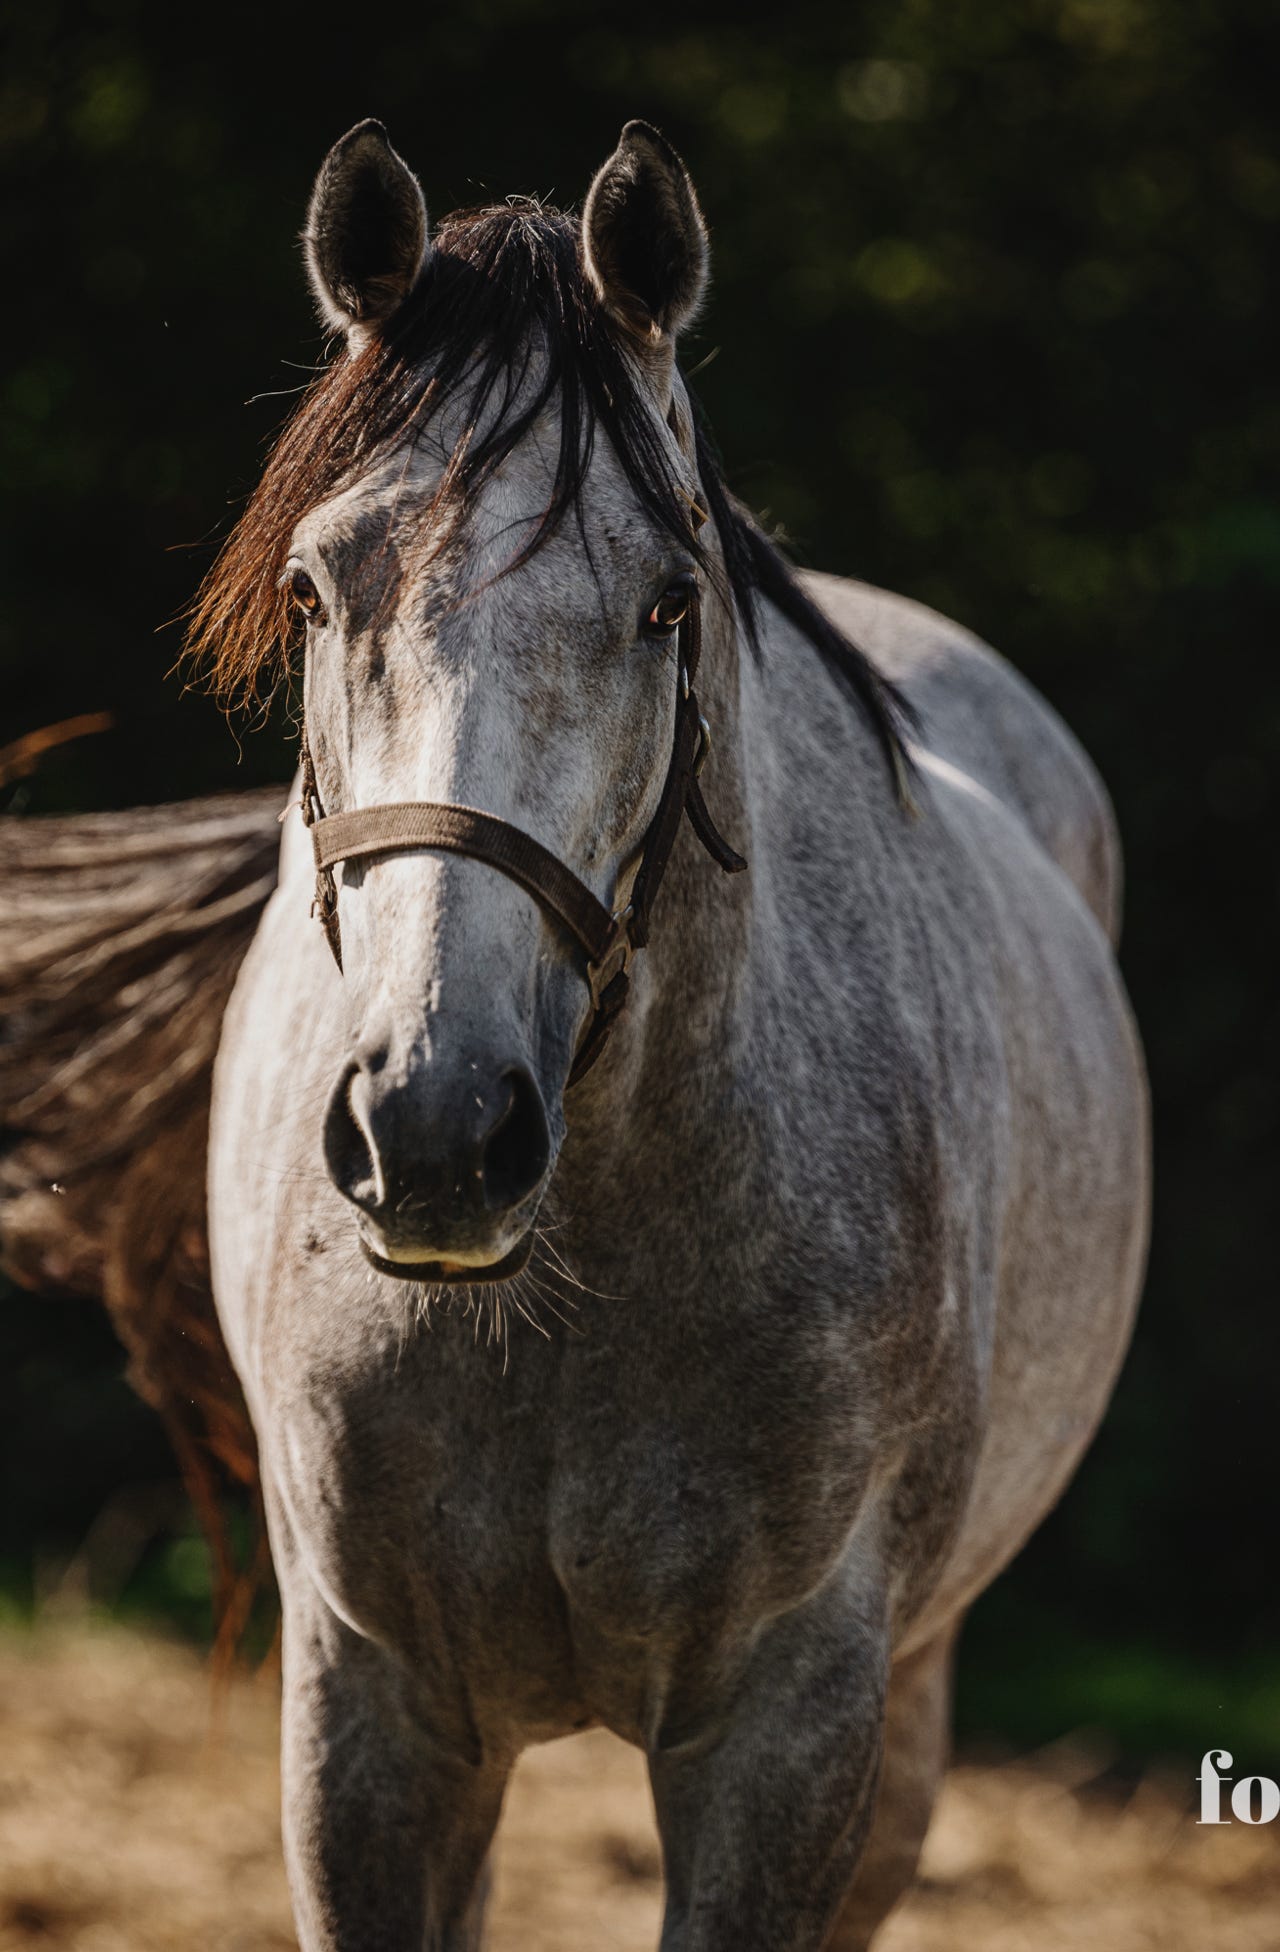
386 1832
765 1810
916 1741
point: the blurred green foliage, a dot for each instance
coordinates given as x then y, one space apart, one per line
992 324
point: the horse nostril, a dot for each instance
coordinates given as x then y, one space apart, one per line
415 1159
347 1151
517 1146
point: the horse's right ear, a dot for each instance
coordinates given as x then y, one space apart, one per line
366 234
644 241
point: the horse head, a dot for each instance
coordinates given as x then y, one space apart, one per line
467 647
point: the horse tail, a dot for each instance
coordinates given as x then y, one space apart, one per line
120 938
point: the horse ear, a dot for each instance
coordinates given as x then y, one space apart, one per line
644 241
366 234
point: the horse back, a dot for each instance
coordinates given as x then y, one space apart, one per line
981 719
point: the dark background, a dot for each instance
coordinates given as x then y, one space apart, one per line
994 323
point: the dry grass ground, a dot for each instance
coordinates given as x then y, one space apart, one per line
125 1828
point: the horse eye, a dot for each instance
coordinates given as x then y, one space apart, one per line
670 611
305 594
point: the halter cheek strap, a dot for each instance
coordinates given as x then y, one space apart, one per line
608 941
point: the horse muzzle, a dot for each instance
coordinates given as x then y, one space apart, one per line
446 1165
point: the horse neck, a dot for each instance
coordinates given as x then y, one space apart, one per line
717 982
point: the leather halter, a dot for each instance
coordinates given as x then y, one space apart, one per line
608 941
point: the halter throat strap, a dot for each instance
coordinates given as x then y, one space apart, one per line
608 940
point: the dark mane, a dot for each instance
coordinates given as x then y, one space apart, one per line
500 285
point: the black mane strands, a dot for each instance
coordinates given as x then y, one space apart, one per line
501 301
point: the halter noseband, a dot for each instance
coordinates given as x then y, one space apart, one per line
608 940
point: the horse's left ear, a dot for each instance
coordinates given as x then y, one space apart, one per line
644 241
366 234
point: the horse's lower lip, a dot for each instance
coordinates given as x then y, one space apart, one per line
452 1273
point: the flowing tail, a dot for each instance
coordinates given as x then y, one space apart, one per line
120 938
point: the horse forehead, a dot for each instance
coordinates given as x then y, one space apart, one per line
390 513
396 492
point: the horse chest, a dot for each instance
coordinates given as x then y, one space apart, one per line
689 1511
573 1529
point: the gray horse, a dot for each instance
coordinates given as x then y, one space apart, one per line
699 1396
